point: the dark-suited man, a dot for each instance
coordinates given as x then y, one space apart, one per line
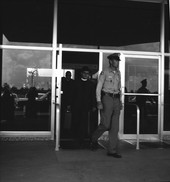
83 101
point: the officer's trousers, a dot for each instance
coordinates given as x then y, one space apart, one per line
109 122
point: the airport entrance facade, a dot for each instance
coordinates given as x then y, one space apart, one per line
42 65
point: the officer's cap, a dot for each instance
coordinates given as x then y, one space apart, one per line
114 56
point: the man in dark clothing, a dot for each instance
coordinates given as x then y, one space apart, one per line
83 102
7 104
31 106
67 88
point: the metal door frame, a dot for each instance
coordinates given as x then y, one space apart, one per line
124 55
57 72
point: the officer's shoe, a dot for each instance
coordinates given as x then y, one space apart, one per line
93 146
116 155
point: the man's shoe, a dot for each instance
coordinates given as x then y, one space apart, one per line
93 146
116 155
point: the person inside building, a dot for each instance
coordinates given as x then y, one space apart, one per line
67 87
108 93
7 104
31 105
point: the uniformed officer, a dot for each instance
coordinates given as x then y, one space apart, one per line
109 103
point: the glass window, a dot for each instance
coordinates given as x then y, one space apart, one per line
18 65
138 69
27 21
148 106
26 90
141 80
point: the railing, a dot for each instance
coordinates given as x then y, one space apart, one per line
138 125
105 137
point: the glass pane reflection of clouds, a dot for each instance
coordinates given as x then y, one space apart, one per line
138 69
16 64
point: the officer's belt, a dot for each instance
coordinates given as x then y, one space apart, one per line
116 95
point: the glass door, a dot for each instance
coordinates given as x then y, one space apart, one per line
140 89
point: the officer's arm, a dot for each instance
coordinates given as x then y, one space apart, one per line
120 91
100 85
120 86
99 89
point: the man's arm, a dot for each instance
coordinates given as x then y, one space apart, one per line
120 91
99 89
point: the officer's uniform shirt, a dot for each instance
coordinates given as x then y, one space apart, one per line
109 81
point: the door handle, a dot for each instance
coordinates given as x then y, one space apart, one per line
55 103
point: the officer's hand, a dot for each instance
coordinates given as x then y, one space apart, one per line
99 105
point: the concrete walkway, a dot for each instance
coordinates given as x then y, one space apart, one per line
37 161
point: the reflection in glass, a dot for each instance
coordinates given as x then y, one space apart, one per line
26 91
141 77
138 69
148 115
24 67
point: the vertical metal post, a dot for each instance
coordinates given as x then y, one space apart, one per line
100 69
100 61
122 70
54 54
138 127
59 74
161 71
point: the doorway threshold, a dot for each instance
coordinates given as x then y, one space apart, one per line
146 144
